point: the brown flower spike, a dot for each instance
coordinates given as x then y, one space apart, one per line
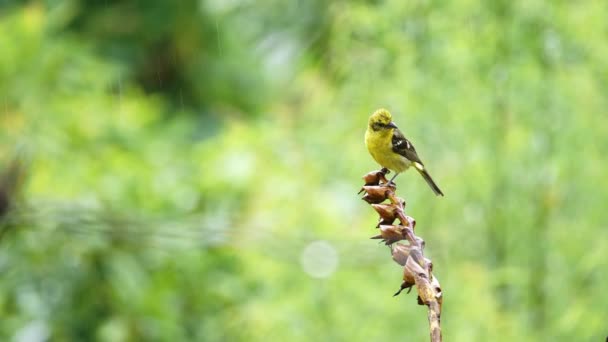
417 270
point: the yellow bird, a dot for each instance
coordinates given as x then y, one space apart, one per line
391 149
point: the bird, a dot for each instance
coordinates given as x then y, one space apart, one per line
392 150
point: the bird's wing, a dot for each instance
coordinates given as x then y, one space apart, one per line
404 147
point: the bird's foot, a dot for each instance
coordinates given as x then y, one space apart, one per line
390 184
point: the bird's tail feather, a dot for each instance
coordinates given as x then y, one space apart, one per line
430 182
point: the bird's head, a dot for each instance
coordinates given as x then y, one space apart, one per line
381 120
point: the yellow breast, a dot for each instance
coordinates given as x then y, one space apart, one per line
380 146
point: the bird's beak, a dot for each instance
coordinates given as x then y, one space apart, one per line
392 125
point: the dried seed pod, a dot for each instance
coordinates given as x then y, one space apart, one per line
410 222
375 194
375 177
386 212
438 291
372 199
400 253
390 234
372 178
404 285
413 263
409 280
408 276
401 201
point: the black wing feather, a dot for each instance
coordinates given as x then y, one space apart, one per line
404 147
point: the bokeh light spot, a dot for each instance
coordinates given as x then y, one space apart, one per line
319 259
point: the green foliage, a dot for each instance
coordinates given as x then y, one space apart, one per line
180 156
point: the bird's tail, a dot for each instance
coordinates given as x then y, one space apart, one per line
429 180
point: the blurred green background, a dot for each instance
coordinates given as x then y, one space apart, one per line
187 170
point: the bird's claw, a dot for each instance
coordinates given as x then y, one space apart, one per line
390 184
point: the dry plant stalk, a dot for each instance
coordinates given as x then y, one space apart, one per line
417 270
